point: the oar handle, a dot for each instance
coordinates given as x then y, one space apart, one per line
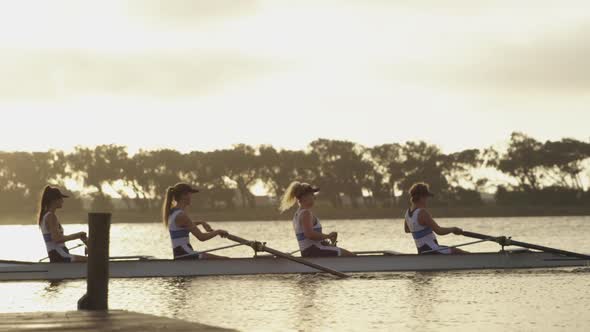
257 246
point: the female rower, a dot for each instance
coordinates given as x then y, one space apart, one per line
423 228
308 230
181 226
53 232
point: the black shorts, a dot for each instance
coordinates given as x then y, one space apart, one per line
427 250
324 251
55 257
180 253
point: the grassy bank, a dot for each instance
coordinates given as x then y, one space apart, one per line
268 213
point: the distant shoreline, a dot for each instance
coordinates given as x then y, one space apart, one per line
324 213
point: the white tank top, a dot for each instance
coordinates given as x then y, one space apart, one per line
178 235
304 242
421 234
49 243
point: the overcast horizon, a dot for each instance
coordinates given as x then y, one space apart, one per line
196 75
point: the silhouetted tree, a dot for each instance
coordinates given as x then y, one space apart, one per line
152 172
95 168
279 168
545 173
239 165
522 160
33 171
422 162
342 169
535 165
388 159
563 161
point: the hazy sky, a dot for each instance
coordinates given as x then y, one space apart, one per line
208 74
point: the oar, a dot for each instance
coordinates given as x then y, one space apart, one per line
504 241
210 250
455 246
257 246
72 248
221 248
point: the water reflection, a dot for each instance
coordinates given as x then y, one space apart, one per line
422 296
177 294
306 292
52 288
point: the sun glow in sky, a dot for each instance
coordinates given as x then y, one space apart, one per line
201 75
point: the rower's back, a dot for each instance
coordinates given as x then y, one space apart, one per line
57 252
303 241
179 236
423 236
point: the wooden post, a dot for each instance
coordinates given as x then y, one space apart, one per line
97 291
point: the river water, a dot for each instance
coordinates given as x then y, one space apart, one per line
533 300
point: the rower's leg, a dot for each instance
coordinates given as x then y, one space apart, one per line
78 258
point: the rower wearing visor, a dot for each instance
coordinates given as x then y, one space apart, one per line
53 233
308 229
423 228
181 226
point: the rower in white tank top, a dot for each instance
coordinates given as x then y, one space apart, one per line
423 228
54 248
424 237
180 238
305 244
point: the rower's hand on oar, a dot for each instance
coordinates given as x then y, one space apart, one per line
457 231
333 237
83 237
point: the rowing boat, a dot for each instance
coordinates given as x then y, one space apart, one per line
139 267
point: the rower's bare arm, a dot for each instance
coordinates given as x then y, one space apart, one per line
205 225
185 222
52 225
425 219
57 235
406 228
203 236
307 225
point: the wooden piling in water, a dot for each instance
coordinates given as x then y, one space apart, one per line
97 291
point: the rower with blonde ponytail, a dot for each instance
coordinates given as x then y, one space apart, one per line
308 229
289 198
176 201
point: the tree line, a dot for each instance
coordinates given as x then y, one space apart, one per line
348 174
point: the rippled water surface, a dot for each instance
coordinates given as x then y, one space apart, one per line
525 300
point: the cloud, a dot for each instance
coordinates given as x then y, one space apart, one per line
49 74
182 13
560 62
557 61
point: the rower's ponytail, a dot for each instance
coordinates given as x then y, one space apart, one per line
289 199
43 203
167 205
